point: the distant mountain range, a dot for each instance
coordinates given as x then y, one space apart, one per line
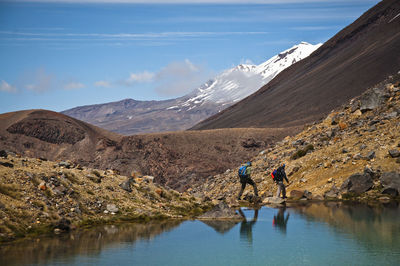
133 117
359 56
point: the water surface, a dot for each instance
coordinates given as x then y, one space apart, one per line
313 234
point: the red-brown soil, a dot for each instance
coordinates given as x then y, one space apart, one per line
177 159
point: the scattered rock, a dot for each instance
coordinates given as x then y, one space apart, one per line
64 164
221 211
372 99
7 164
363 146
148 179
273 200
42 186
94 178
296 194
344 150
332 194
112 208
394 153
126 185
330 180
371 155
3 154
63 225
390 181
357 183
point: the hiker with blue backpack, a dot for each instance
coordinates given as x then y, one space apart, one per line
244 175
278 175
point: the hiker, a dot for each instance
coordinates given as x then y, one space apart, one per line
279 176
244 175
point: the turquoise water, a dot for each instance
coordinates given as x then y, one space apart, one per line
315 234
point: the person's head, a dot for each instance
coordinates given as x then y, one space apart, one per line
283 165
248 163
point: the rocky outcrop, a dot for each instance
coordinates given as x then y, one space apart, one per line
391 183
357 183
221 212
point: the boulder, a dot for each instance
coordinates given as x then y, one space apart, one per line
390 182
126 185
7 164
221 211
273 200
64 164
357 183
296 194
112 208
394 153
372 99
3 154
332 194
63 225
371 155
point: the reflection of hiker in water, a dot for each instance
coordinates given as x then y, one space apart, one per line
246 227
280 221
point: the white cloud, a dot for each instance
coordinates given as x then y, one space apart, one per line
73 85
175 79
187 1
144 76
39 81
178 78
4 86
102 83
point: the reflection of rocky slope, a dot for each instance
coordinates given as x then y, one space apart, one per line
363 134
177 159
90 242
132 117
37 195
359 56
373 227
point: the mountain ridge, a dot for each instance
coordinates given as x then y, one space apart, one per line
130 116
356 58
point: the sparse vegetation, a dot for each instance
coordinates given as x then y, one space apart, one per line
302 152
10 190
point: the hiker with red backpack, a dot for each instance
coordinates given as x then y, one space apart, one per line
244 175
278 175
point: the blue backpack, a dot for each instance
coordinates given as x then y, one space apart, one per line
242 171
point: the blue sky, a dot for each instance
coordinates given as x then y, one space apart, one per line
60 54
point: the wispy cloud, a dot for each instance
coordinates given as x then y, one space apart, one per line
4 86
73 85
175 79
315 28
102 83
186 1
144 76
128 36
39 80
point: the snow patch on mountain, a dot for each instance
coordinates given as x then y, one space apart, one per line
236 83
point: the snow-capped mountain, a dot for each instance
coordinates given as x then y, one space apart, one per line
237 83
132 117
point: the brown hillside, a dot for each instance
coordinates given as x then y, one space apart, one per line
359 56
176 159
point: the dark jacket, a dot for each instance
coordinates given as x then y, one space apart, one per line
280 174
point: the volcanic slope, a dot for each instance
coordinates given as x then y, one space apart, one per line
354 151
176 159
359 56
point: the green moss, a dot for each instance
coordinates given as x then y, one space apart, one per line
10 190
302 152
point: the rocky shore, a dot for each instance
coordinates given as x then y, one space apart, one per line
39 196
353 154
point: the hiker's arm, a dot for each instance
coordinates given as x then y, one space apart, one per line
284 175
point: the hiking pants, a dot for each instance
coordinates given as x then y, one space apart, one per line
281 187
246 181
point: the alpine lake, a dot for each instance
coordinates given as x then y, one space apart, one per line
330 233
